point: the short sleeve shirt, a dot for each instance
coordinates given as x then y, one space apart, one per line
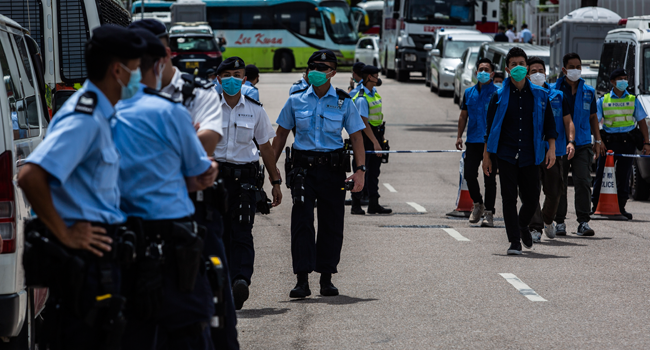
301 84
251 91
639 113
362 104
80 157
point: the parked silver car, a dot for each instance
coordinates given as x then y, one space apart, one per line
445 56
463 78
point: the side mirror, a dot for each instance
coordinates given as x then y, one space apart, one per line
428 47
435 52
395 15
369 47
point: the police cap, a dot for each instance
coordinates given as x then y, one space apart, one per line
617 73
357 67
155 47
231 63
153 25
252 70
210 72
322 56
118 41
368 69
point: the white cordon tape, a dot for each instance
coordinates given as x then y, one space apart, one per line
632 155
416 151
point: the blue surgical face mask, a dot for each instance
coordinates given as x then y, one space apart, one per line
498 85
231 85
317 78
621 85
483 77
133 85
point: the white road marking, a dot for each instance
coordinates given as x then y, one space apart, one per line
456 234
390 188
522 287
417 207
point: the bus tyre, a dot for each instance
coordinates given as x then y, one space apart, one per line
286 62
390 73
401 75
639 189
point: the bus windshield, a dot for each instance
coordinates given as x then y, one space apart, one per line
341 32
441 12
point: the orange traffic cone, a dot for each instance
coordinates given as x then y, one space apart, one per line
608 200
464 203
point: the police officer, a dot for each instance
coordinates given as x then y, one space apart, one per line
511 136
552 181
619 110
203 104
252 78
163 159
474 110
368 104
71 181
211 74
319 114
245 123
301 84
356 79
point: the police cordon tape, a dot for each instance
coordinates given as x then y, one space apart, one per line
458 151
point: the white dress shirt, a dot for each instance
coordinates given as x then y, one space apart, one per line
241 124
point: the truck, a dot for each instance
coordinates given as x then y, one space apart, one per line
408 25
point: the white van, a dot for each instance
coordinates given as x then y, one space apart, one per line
24 121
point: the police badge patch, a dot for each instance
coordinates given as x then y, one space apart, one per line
323 56
86 103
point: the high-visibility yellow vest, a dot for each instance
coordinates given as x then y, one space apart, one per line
618 112
375 117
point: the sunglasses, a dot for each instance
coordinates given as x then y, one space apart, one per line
321 67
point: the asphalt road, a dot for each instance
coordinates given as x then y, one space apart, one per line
407 283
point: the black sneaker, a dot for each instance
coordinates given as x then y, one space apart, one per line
327 288
515 249
240 293
526 238
560 229
584 230
301 290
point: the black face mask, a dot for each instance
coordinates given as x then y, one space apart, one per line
379 82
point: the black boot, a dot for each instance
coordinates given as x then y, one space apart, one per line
356 207
301 290
375 208
327 289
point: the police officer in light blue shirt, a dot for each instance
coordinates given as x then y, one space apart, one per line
356 78
319 114
71 181
252 78
301 84
163 159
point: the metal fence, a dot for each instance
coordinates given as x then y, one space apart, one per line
538 18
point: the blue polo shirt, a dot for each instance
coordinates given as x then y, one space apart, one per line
79 155
639 113
319 121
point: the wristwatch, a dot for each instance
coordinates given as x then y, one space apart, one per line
362 168
573 142
599 142
277 182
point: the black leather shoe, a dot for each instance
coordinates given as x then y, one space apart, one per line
327 289
301 290
526 238
626 214
356 207
378 209
240 293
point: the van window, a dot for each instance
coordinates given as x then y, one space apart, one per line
15 95
496 59
645 72
612 57
630 67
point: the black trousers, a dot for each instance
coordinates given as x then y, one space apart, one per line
623 167
473 159
525 182
554 187
325 184
238 237
373 169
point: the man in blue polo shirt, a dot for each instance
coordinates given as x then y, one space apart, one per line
472 115
519 119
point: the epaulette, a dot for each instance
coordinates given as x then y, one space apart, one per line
176 98
301 90
298 82
361 92
253 100
342 94
86 103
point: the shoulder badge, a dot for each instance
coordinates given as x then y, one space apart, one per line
176 98
361 92
298 82
301 90
342 94
86 103
253 100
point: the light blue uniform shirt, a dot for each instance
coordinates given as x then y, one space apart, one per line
362 103
302 84
639 113
251 91
81 159
319 122
160 148
356 90
217 86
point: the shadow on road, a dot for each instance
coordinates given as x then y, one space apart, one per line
533 255
439 128
259 313
587 238
338 300
559 243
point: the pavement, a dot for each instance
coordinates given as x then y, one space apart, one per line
420 280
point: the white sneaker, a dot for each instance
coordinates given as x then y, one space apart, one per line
477 213
549 230
537 236
488 220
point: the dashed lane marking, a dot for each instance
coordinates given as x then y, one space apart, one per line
522 287
390 188
417 207
456 235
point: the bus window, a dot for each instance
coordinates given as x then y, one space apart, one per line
225 17
340 32
302 18
257 18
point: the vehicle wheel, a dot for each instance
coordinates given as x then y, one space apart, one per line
402 75
431 87
456 98
286 62
20 342
639 189
390 73
374 62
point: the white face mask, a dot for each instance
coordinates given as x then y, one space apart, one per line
159 77
573 74
538 79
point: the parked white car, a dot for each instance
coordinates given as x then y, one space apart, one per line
367 51
463 78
